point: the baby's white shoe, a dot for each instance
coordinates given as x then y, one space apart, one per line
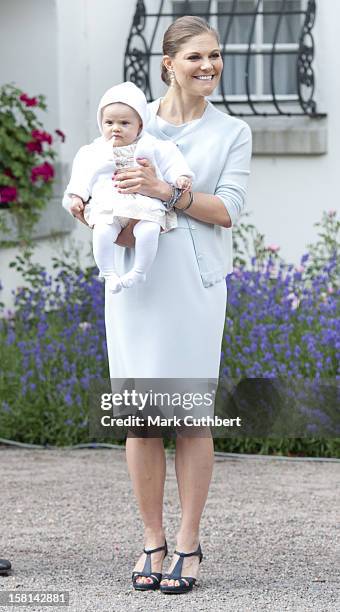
113 283
132 278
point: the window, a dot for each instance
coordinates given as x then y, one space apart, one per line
254 26
267 48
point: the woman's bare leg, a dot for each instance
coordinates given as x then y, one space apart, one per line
194 465
147 467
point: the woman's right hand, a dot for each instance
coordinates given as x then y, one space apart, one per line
126 237
142 179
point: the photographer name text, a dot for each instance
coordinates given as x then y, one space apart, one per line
188 421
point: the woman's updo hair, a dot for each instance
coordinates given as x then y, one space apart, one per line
178 33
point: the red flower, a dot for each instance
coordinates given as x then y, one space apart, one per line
8 172
8 194
45 171
42 136
61 135
28 101
34 146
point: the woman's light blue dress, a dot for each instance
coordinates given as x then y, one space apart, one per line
172 325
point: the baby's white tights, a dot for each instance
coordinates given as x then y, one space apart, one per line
104 235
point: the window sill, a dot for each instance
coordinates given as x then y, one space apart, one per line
288 135
54 219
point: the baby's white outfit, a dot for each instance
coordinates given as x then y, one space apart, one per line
92 172
107 211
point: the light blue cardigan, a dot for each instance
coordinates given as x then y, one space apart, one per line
226 143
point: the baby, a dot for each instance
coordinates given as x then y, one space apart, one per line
122 116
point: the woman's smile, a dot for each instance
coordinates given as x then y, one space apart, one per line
204 77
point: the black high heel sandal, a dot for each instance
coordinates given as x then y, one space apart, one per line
5 567
156 577
176 574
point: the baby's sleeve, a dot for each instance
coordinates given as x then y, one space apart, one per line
232 185
171 162
79 183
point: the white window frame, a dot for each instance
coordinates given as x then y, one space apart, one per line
258 45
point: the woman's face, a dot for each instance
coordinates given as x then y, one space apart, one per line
197 65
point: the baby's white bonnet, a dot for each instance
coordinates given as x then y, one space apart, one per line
126 93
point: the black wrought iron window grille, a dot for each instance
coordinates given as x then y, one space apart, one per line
267 47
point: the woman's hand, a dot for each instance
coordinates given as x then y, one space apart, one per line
126 237
143 180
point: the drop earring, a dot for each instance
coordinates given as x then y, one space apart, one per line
172 76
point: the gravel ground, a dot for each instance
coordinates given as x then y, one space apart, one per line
270 537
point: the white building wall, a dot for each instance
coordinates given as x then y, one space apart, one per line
72 50
28 50
288 193
91 44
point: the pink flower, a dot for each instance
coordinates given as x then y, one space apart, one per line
8 194
45 171
300 269
273 248
332 212
34 146
9 315
61 135
41 136
28 101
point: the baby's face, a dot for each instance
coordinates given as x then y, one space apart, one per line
121 123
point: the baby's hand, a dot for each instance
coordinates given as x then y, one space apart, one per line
184 183
77 205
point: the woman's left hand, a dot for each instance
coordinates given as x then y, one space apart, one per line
141 179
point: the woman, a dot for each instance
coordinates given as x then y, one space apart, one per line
172 326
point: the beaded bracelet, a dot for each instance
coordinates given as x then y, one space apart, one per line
191 199
175 196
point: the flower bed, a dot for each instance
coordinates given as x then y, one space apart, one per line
26 160
281 321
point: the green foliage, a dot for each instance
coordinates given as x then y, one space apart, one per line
248 243
291 447
26 171
52 347
250 249
326 248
